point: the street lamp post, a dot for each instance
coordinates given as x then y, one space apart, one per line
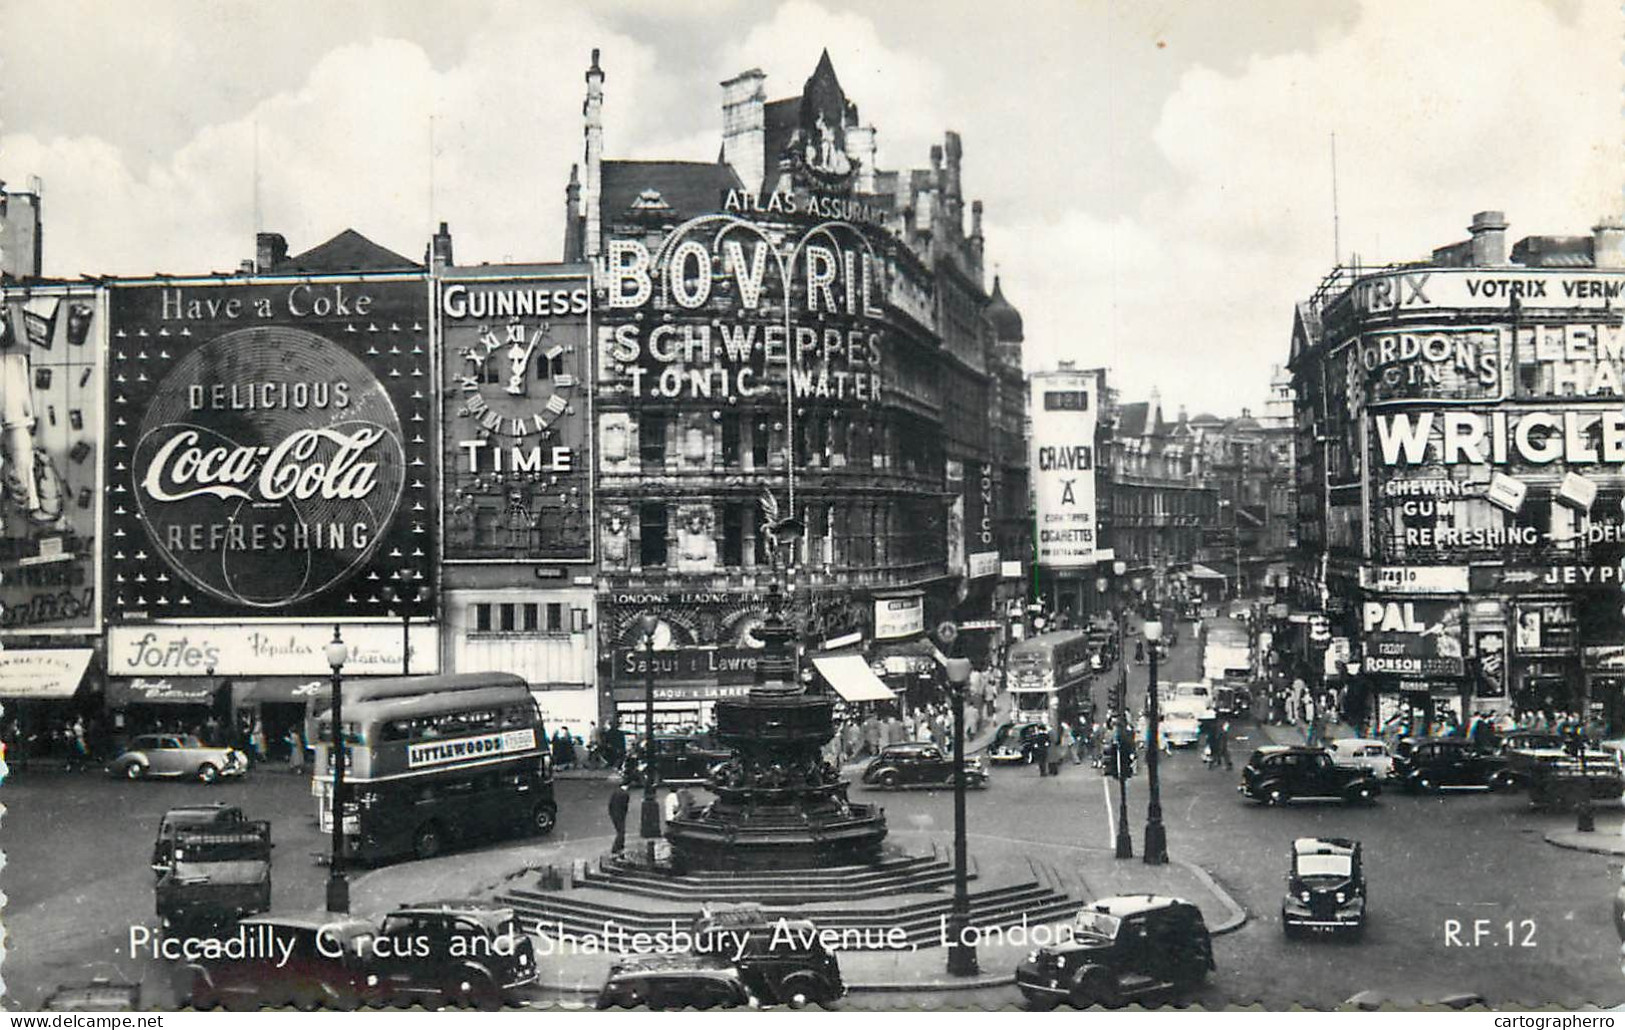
649 820
1156 838
961 953
338 886
1125 739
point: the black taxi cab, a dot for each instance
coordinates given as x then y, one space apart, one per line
1139 947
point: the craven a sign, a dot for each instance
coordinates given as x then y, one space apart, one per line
1064 412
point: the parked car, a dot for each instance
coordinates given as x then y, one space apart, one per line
1016 742
678 758
900 765
213 866
1432 763
1278 774
1231 701
1122 949
1325 887
1362 753
177 756
302 961
779 958
96 995
1560 781
450 953
680 981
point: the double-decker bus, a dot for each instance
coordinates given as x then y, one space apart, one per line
1048 677
436 760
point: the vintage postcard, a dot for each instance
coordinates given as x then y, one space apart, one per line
809 504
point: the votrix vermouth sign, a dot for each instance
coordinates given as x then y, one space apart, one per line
271 447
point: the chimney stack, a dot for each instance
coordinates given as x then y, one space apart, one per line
1489 230
953 204
860 147
270 250
440 249
744 128
977 241
592 117
572 215
1608 243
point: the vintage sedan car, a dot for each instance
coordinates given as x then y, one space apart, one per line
900 765
680 981
781 959
1429 764
1180 729
450 953
1362 753
679 758
1561 781
1325 887
1121 949
304 961
177 756
1017 742
1278 774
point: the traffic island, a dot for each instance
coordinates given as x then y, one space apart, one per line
1024 892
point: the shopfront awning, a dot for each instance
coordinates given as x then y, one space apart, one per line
124 691
852 678
284 690
44 674
1200 571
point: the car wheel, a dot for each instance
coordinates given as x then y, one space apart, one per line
428 842
888 779
134 771
1357 931
474 989
1426 784
1096 987
543 818
1501 782
1364 794
803 989
976 782
207 773
1276 795
1287 928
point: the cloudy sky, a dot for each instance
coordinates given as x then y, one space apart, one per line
1157 173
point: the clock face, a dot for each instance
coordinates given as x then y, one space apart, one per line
516 379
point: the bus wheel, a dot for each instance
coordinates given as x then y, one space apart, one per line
428 842
543 818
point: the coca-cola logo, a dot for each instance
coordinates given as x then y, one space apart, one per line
268 466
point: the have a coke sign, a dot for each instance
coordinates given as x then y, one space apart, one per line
270 454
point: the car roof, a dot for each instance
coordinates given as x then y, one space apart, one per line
1355 742
677 962
1126 905
310 921
483 913
1325 846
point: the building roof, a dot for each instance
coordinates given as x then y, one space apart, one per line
1004 316
680 189
1131 418
349 251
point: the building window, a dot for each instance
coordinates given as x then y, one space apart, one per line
549 368
507 614
764 556
652 438
482 618
531 625
652 523
730 440
555 618
758 446
733 535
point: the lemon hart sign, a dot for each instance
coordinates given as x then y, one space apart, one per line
271 447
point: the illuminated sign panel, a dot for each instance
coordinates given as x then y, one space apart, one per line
1063 471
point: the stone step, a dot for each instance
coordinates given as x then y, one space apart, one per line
786 895
789 886
892 866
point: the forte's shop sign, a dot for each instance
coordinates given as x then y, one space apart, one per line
271 447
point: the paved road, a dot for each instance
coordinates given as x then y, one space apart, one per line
77 848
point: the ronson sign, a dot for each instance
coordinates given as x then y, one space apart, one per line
271 448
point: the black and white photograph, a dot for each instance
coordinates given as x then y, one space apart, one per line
911 507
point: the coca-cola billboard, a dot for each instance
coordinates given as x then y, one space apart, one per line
271 450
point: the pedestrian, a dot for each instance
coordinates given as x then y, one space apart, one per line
256 737
619 801
1080 741
1040 752
78 749
1057 752
296 750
